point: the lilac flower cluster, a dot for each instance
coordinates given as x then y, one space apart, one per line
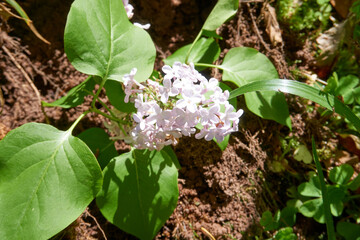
185 100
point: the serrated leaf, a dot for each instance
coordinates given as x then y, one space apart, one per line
139 192
116 96
341 174
99 143
75 96
205 50
48 177
223 11
100 40
245 65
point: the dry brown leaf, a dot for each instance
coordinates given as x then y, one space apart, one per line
272 25
342 6
329 43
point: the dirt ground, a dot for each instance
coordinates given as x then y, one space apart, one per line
221 193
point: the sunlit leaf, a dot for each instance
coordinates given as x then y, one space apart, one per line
205 50
300 89
245 65
223 10
100 40
48 177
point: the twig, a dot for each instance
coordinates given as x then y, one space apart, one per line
97 224
28 79
207 233
257 30
2 101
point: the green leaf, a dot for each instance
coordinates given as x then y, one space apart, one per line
100 40
350 231
139 192
326 211
341 174
313 208
48 177
100 144
355 183
223 10
75 96
172 155
205 50
285 234
116 95
288 216
309 190
245 65
300 89
268 222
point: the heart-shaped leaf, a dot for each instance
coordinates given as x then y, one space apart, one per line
48 177
313 208
205 50
244 65
223 10
99 40
341 174
139 192
75 96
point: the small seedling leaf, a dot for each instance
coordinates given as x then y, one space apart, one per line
341 174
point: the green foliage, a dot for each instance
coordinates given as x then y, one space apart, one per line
116 95
99 143
245 65
300 89
304 15
48 177
205 50
139 192
350 231
284 218
223 11
312 205
75 96
285 234
99 40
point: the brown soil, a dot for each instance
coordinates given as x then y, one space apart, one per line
221 193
